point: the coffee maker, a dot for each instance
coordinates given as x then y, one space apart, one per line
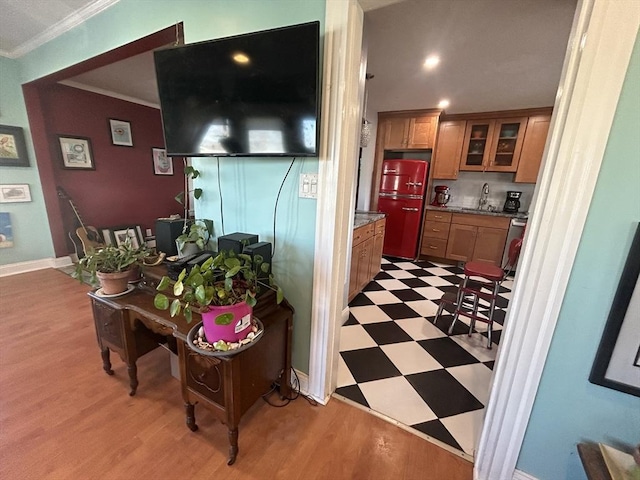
512 204
442 196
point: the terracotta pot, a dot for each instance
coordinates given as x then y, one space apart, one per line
113 283
230 323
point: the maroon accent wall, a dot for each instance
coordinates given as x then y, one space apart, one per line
122 190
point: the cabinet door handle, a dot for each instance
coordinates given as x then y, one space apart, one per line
409 209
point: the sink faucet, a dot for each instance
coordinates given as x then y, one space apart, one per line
483 196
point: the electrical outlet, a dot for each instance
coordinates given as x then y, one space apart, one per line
308 185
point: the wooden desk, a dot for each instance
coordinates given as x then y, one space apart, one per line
228 386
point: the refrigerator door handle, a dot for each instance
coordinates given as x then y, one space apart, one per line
408 209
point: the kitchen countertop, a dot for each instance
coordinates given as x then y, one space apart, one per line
364 218
475 211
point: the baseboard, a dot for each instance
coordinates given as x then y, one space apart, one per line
32 265
303 380
520 475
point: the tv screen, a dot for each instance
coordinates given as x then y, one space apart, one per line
248 95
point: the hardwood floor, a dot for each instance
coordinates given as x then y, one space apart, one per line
62 417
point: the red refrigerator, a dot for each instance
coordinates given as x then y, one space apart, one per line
401 197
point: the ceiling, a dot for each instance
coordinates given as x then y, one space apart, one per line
495 54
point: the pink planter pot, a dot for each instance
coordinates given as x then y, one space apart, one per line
230 323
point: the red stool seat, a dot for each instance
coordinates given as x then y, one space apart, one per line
484 270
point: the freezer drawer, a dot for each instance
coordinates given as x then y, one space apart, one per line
404 217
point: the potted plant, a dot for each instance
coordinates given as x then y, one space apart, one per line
223 290
194 238
110 266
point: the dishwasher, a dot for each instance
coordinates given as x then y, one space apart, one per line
516 230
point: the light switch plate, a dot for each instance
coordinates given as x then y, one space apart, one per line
308 185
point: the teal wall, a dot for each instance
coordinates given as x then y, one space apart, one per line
249 186
568 409
31 234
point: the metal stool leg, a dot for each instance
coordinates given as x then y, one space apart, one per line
459 301
492 307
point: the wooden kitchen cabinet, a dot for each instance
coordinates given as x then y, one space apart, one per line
448 151
477 237
435 233
409 131
532 149
366 255
493 145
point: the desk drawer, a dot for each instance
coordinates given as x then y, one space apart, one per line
434 246
436 230
109 325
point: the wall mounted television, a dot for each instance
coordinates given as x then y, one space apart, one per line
249 95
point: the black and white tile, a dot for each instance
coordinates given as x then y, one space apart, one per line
397 362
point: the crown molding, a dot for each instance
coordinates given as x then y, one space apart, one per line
73 20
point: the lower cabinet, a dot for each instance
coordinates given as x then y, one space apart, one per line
464 237
366 255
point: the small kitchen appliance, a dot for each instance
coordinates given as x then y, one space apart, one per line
442 196
512 203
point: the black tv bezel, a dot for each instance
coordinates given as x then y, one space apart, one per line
251 155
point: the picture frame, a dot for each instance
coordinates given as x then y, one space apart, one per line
617 362
120 132
76 152
117 235
14 193
162 164
6 232
13 149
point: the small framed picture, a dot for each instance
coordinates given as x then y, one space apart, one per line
13 150
120 132
15 193
76 152
121 236
162 165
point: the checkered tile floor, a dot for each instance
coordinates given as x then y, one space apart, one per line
395 361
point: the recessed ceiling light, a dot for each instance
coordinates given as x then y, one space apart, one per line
443 103
432 61
240 58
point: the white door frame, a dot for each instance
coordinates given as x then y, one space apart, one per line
597 58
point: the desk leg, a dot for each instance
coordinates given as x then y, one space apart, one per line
191 416
233 445
106 361
132 369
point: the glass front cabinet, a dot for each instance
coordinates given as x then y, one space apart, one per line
493 145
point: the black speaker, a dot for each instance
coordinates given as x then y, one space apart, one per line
235 242
166 233
264 250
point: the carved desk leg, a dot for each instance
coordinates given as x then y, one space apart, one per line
191 416
106 360
132 369
233 445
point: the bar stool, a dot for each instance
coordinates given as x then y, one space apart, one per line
484 285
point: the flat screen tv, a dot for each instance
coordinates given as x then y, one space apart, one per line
248 95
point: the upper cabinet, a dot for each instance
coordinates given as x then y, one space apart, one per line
493 145
409 130
507 141
533 148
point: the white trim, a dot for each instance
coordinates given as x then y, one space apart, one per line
73 20
303 380
341 90
520 475
32 265
109 93
578 137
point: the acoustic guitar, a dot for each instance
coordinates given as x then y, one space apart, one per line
89 236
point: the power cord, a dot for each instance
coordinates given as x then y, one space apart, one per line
220 194
275 208
285 400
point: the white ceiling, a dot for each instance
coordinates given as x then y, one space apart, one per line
495 54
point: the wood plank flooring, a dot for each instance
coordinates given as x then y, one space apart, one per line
62 417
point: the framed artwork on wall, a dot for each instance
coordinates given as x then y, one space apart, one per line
76 152
162 165
617 362
15 193
13 149
6 233
120 132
